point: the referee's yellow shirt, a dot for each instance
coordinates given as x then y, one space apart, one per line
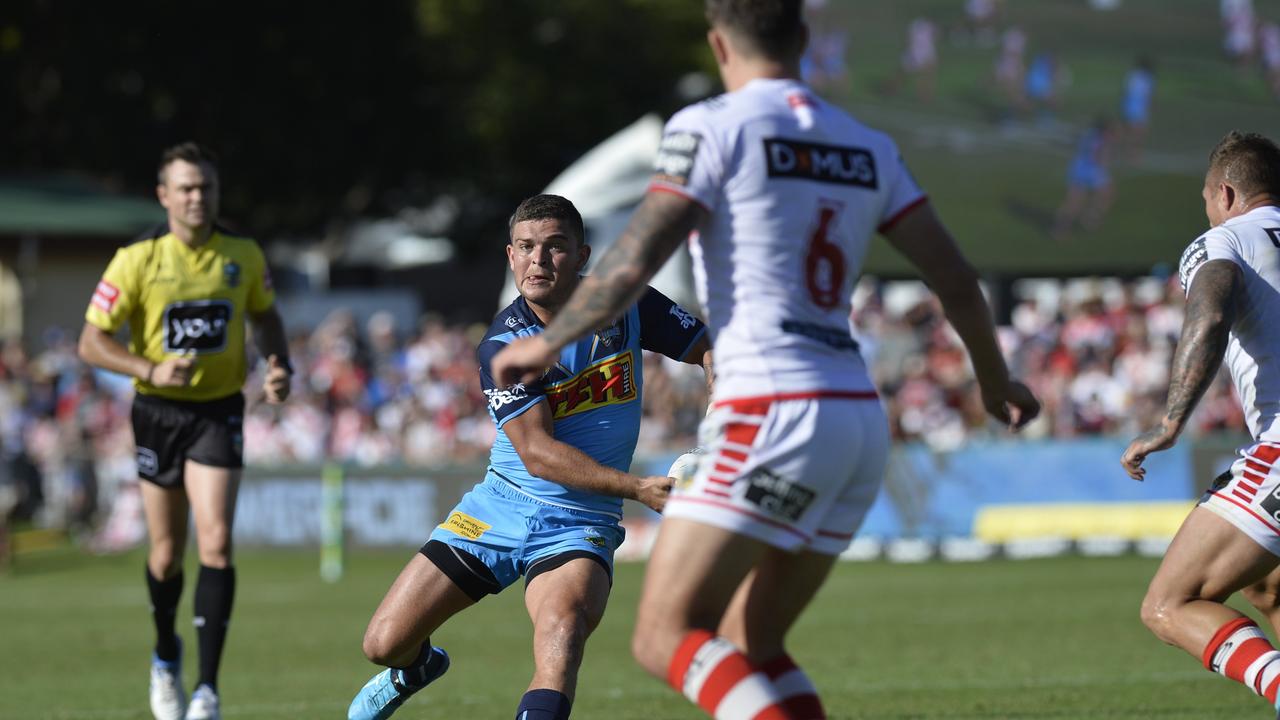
180 301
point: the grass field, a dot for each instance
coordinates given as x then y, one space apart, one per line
1055 638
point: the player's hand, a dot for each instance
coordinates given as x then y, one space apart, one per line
1160 437
275 384
654 491
1014 405
524 360
172 372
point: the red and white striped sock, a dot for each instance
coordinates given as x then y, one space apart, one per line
711 672
800 697
1241 651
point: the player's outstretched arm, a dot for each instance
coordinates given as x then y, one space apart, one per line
928 245
531 434
656 229
1206 330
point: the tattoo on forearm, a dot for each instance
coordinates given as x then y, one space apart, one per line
656 229
1205 333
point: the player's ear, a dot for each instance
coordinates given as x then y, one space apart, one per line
511 263
1226 196
717 42
584 254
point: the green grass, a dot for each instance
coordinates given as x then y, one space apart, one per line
1056 638
998 186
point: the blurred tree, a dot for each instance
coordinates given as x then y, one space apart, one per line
324 112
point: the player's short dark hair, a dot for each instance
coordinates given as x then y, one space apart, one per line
549 207
191 152
1248 161
772 28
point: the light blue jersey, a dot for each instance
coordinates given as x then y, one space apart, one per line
593 392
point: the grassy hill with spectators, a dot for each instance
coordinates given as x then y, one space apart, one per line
997 177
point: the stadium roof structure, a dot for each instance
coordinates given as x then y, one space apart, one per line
69 205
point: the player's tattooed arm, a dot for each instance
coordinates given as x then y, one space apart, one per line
656 229
1211 307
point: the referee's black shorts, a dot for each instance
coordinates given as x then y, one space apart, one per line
167 433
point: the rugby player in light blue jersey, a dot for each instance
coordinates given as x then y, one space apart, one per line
550 503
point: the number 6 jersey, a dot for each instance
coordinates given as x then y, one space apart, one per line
795 189
1251 241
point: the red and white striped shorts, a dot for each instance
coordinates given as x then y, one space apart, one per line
1248 495
798 472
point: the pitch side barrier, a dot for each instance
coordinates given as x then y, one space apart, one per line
985 499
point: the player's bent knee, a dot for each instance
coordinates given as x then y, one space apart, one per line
570 624
380 644
1157 615
648 653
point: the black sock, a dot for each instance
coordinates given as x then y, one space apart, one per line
164 608
215 589
543 704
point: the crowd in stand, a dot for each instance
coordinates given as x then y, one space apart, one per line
368 393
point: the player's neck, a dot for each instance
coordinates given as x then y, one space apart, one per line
192 237
735 77
1252 204
545 313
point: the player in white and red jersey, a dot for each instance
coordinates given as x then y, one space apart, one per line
784 192
1231 541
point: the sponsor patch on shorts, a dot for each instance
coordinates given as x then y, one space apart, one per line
777 495
148 462
464 525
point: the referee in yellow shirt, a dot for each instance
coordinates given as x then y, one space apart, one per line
185 290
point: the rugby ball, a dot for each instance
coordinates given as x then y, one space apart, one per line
685 466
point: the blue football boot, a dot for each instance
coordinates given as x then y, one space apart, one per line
387 691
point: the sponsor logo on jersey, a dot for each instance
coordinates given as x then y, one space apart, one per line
502 397
1193 257
463 525
105 296
686 320
675 157
821 163
608 382
611 334
231 274
776 495
197 326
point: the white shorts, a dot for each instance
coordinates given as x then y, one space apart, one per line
1248 495
798 472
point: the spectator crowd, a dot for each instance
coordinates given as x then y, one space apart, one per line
1097 352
